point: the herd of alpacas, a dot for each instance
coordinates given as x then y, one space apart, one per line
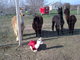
57 22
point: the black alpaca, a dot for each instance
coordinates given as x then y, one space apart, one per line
71 20
60 12
37 25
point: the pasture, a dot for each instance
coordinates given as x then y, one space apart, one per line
63 47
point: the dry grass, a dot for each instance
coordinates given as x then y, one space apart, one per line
64 47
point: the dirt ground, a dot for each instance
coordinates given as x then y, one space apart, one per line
63 47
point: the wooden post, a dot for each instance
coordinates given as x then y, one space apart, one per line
77 10
18 21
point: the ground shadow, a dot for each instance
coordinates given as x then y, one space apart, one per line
66 32
46 39
8 45
77 32
44 47
28 34
29 38
47 34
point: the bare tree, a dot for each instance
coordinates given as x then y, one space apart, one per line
1 7
35 5
8 6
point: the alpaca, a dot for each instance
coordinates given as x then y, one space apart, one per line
56 22
37 25
15 27
60 12
34 45
71 20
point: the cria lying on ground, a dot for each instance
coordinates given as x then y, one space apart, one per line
34 45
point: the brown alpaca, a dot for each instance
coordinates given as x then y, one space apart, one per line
37 25
15 27
71 23
71 20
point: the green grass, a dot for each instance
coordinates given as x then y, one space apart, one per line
6 32
71 12
74 12
53 11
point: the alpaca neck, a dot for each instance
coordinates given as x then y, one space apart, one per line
21 16
21 19
67 17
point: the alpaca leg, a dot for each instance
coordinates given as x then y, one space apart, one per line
17 39
57 29
62 29
40 32
16 33
62 24
68 23
36 33
22 28
72 30
22 35
53 26
69 28
73 27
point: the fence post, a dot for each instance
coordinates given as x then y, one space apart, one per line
18 21
77 10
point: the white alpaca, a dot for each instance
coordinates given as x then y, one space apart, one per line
35 47
14 24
